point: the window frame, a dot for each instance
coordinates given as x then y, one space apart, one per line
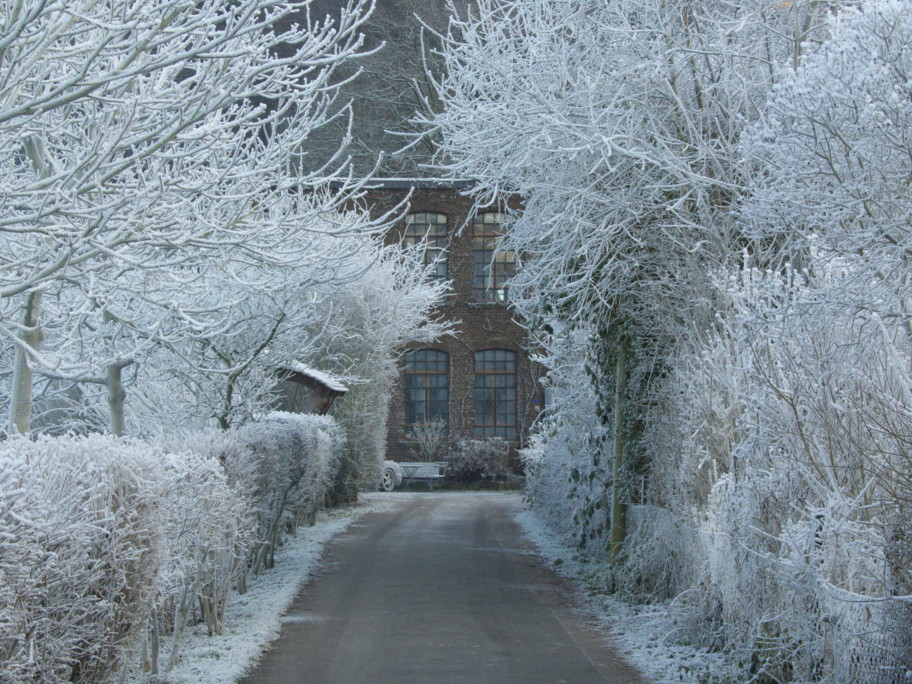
430 375
495 381
491 267
434 235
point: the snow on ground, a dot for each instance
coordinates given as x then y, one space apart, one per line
642 633
253 620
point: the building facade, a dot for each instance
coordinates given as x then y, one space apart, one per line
481 381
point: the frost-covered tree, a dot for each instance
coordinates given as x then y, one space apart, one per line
830 156
618 124
212 356
372 319
250 320
148 135
714 193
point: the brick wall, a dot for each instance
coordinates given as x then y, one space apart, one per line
482 325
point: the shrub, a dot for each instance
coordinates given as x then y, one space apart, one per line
474 460
294 460
102 537
209 529
81 548
429 440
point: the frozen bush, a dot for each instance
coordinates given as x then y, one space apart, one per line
391 305
475 460
224 447
209 530
362 415
783 443
101 536
567 482
81 548
659 554
429 440
293 459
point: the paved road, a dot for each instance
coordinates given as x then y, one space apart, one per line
440 588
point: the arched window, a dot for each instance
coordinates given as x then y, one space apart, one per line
427 386
430 229
490 267
495 393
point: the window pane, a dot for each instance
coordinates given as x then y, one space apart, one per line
504 394
429 229
495 393
426 360
491 267
426 386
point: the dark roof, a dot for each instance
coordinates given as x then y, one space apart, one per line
415 184
389 91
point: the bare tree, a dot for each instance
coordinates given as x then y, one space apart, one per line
154 135
429 440
618 124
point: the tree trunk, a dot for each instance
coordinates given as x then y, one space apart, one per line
618 524
21 398
116 398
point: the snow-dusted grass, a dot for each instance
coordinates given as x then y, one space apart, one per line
255 618
645 634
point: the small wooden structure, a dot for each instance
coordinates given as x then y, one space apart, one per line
307 390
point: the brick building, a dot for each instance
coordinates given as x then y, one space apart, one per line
480 382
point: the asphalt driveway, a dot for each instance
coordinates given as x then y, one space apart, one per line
439 588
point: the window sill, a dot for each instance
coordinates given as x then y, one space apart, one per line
486 304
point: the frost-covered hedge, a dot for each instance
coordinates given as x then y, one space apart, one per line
107 544
476 460
208 530
794 434
82 554
566 481
777 509
287 489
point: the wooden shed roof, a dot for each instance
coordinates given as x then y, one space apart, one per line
324 380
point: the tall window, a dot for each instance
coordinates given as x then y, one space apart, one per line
427 386
430 229
490 267
495 393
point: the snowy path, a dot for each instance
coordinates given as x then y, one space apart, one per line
253 620
441 588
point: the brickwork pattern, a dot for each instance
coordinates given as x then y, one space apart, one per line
481 325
